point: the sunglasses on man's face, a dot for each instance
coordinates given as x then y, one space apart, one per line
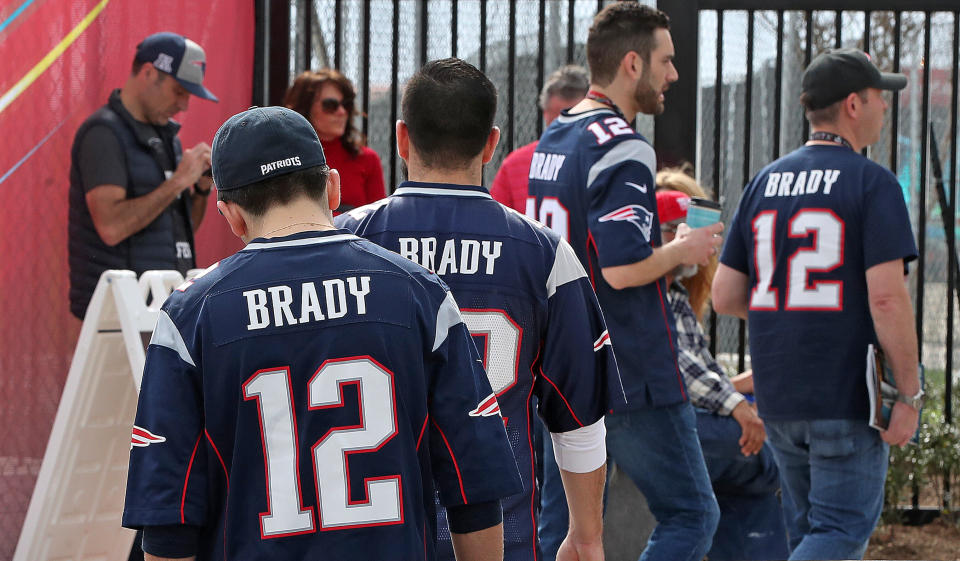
332 104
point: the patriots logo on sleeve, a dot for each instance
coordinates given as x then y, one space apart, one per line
602 341
487 408
142 438
634 214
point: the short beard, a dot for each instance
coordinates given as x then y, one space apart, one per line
648 99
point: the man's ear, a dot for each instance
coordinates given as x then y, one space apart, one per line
491 145
148 73
231 213
851 105
333 189
631 65
403 141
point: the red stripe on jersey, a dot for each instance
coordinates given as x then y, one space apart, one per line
565 402
666 324
603 340
226 473
533 467
423 429
227 500
456 467
186 479
591 242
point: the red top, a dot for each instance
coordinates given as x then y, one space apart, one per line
361 178
510 184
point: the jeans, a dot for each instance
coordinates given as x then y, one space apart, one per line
554 515
751 519
658 449
832 473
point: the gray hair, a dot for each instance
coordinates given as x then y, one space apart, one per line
567 82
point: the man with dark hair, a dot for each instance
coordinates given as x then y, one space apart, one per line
815 262
301 398
136 197
564 88
592 177
524 296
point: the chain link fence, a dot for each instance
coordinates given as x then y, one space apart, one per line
748 77
515 42
749 114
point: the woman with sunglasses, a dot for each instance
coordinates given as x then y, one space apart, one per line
325 98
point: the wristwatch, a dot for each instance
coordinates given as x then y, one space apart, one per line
915 401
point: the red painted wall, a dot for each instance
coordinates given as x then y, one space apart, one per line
37 332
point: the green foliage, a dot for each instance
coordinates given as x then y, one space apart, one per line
930 464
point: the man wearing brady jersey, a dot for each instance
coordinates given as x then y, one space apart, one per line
815 262
592 181
523 295
302 398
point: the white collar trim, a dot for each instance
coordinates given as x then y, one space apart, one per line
301 242
436 191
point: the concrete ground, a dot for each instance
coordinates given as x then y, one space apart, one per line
627 522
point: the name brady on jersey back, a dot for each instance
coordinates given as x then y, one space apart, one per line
546 166
456 256
275 303
806 182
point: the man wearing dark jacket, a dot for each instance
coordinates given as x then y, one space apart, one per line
136 196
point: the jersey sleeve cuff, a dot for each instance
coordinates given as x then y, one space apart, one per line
581 450
463 519
174 541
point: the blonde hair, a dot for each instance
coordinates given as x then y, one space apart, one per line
676 179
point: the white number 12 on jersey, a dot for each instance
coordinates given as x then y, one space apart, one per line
285 514
825 255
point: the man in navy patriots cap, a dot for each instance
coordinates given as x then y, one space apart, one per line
815 261
325 390
136 197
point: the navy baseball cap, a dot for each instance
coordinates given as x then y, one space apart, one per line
837 73
263 142
179 57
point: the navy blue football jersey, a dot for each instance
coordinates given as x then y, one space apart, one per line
527 302
304 398
592 180
807 228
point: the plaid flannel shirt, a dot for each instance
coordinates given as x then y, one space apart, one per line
708 385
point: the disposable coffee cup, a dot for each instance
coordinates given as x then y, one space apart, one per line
702 212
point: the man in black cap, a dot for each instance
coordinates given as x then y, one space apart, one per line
136 197
815 260
303 398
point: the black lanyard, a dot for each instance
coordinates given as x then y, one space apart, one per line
830 137
600 98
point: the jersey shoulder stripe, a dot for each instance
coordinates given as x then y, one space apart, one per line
566 268
634 149
167 335
448 315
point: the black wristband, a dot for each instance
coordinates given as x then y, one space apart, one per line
198 191
462 519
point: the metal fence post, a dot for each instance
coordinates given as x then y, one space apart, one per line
675 132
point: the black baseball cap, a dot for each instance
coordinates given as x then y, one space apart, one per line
263 142
179 57
837 73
